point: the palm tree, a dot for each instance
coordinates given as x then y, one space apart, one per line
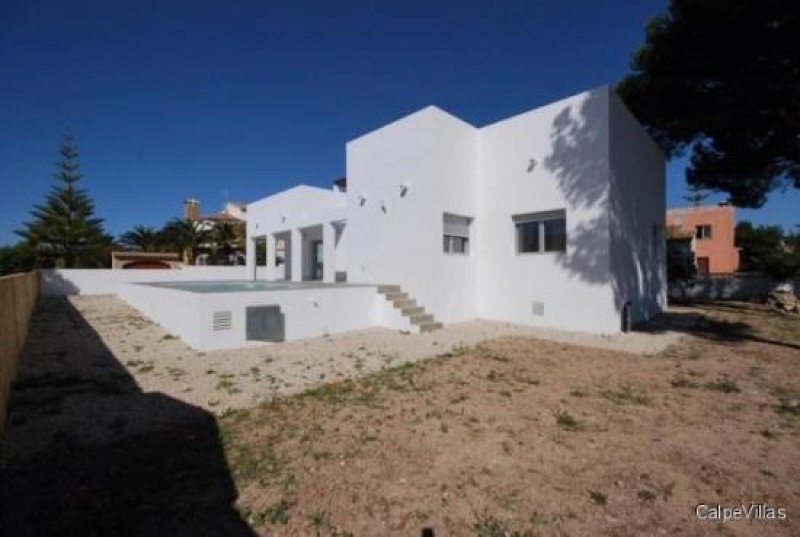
185 236
142 238
225 237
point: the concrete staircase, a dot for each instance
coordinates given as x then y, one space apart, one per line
409 308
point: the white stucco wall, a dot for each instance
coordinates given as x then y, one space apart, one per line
569 141
297 207
396 239
637 209
308 312
178 312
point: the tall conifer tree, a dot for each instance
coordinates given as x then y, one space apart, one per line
64 231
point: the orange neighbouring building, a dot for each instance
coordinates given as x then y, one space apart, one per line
712 228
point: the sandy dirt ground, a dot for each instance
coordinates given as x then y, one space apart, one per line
515 436
241 378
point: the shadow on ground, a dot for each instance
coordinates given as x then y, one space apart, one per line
695 320
87 453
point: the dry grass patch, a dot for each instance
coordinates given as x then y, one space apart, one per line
526 437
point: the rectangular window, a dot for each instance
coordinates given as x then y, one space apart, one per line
702 232
541 232
456 231
280 252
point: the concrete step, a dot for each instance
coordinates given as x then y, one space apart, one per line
419 320
416 310
404 303
388 289
430 327
409 308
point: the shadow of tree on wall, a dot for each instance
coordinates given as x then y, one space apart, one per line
88 453
52 281
579 152
580 159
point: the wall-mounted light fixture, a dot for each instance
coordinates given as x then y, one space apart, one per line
532 164
383 206
362 199
404 189
283 218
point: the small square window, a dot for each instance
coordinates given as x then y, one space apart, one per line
703 232
456 234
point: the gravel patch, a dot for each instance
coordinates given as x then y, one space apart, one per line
241 378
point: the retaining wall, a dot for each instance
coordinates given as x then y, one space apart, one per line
737 287
18 294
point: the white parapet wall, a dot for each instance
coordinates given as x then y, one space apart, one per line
307 312
178 312
62 282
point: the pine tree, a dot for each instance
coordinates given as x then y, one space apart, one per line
696 195
720 80
64 231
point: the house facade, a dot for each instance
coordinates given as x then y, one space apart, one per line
232 212
712 228
144 260
553 217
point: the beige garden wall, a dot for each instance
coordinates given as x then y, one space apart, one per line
18 294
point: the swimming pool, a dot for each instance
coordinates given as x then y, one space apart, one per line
225 314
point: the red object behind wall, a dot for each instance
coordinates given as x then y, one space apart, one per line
146 265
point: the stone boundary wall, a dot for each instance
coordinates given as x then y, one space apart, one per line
736 287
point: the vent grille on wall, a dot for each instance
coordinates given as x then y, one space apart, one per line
222 320
538 309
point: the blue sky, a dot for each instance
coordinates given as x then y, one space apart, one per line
174 99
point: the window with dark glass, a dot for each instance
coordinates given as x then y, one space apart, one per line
555 235
703 232
541 232
527 237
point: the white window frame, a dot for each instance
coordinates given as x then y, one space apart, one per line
539 218
451 234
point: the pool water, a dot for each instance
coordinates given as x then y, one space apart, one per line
238 286
228 286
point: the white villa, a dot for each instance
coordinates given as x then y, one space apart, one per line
553 217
